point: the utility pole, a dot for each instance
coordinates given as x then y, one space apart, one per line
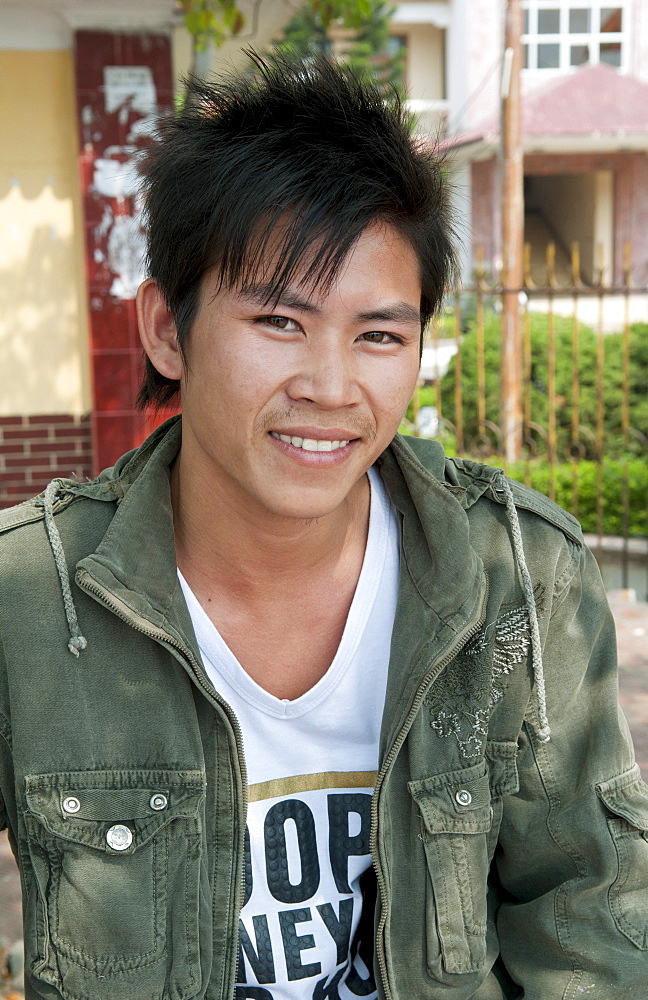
512 232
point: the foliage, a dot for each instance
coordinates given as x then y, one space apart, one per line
426 397
577 484
211 21
214 21
616 488
538 386
307 34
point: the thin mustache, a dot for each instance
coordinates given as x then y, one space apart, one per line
279 417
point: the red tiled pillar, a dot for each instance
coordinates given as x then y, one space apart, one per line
122 82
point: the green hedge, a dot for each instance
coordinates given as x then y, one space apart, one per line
536 473
614 446
622 460
612 474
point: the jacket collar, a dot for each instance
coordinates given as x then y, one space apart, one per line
436 548
136 556
135 559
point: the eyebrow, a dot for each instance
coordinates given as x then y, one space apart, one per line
397 312
266 294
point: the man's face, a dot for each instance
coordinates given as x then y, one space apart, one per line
286 405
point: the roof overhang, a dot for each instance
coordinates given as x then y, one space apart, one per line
487 146
434 12
47 24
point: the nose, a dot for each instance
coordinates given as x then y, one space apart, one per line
327 376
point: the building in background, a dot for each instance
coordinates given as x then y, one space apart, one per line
80 82
585 126
76 101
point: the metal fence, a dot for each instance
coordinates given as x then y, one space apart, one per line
584 395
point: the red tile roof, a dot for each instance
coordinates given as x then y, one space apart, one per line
593 100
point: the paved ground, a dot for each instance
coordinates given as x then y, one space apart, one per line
632 630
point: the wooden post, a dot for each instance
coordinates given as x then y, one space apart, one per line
512 233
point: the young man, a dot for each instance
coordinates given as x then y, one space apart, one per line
302 644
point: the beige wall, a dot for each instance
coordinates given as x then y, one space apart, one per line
580 208
425 47
263 22
43 320
482 56
424 68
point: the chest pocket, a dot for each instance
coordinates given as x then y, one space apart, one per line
460 816
116 856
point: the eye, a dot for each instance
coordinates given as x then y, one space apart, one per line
280 322
380 337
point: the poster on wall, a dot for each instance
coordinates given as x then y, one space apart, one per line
123 82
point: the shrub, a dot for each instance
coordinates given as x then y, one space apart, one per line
538 384
623 488
576 487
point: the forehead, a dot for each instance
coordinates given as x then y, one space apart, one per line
380 263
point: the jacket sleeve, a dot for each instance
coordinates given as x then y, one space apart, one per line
4 769
573 847
3 808
5 746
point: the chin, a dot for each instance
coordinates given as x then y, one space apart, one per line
306 509
304 513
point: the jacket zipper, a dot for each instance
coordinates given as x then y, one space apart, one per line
388 761
119 608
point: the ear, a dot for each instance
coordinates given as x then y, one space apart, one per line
158 331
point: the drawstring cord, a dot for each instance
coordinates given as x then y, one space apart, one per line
77 641
544 732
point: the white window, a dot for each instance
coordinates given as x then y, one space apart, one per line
560 34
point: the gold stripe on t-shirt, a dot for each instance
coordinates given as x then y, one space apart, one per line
310 783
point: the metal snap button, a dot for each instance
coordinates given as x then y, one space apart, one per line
71 804
463 797
158 801
119 837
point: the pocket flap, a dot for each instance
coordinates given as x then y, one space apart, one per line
455 802
85 807
626 796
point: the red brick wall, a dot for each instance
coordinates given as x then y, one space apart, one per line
34 450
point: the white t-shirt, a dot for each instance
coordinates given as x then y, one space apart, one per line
311 769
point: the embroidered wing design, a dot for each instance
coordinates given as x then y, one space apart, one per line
461 702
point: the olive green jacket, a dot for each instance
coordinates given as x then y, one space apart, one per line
506 866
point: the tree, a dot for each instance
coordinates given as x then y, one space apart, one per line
367 49
211 22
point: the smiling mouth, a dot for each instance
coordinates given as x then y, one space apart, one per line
309 444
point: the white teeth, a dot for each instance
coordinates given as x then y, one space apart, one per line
309 444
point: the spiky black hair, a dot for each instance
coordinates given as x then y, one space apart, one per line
305 154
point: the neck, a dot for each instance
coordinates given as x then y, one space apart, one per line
224 542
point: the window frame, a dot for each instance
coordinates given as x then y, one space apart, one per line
566 39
